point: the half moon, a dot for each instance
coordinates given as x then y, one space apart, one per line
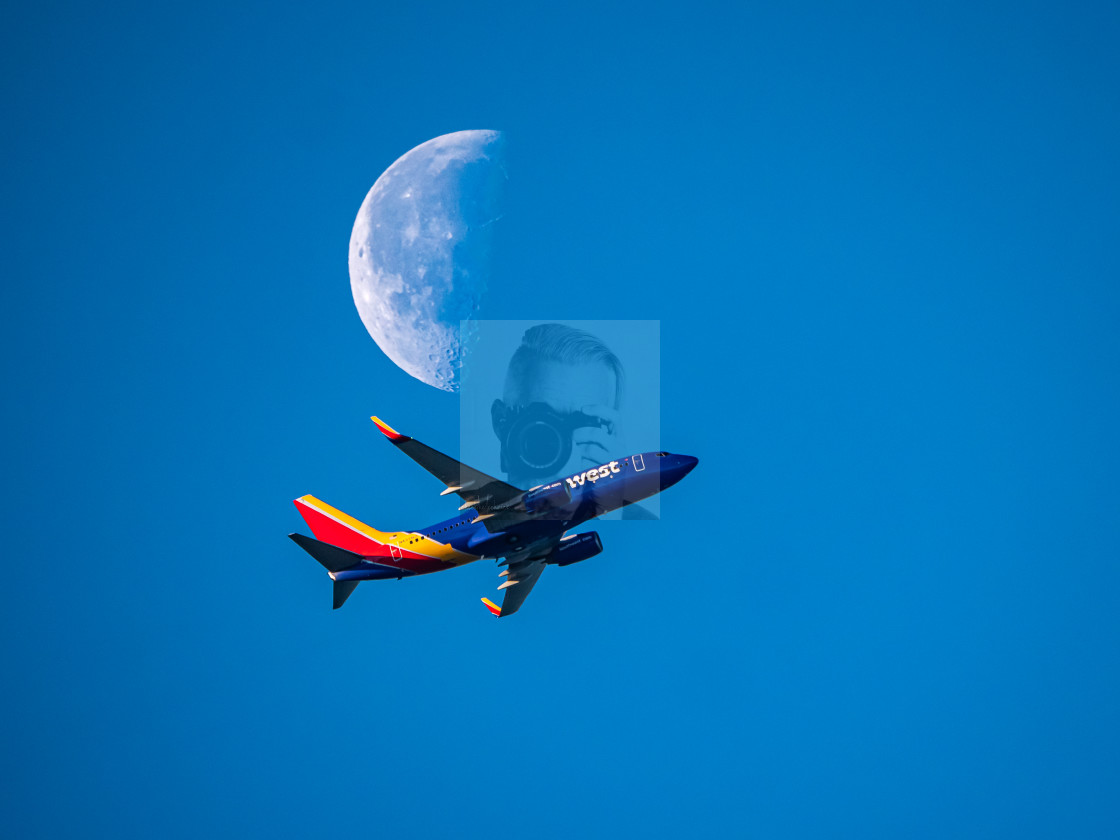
420 251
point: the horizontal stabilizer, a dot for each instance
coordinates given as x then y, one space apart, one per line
342 590
332 558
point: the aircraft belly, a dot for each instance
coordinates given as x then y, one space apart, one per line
421 565
515 537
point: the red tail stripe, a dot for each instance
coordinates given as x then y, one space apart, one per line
330 530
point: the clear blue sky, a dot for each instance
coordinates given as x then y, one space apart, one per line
882 244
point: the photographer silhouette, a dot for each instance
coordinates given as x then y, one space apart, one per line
559 409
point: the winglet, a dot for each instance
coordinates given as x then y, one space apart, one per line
494 608
387 430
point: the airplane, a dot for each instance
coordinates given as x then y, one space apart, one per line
525 529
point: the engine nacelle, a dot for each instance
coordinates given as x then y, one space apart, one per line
549 497
575 548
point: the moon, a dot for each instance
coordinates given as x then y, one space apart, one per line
420 251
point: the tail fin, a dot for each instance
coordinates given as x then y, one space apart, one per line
337 528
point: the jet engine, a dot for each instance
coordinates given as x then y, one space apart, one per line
575 548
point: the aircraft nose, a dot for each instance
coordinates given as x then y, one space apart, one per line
681 466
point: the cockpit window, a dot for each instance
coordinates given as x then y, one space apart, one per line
660 454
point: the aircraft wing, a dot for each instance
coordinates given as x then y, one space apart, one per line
522 572
475 488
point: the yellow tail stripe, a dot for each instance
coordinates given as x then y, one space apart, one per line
346 519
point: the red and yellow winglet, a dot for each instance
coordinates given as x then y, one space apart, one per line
494 608
387 430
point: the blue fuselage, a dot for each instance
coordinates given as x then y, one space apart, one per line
595 491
